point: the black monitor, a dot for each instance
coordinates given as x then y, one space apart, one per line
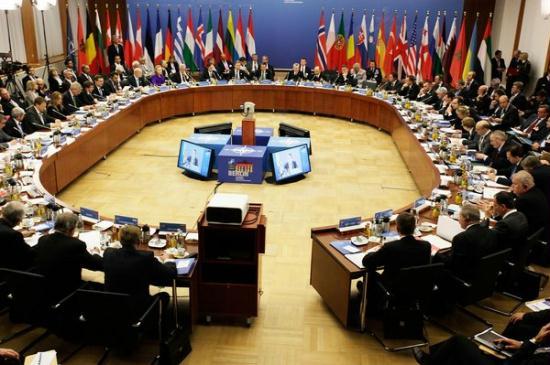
195 160
219 128
287 130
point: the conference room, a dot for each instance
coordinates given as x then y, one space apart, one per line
275 182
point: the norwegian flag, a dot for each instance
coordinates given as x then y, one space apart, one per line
320 54
401 49
411 52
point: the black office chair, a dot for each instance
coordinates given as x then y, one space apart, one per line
540 253
108 319
405 300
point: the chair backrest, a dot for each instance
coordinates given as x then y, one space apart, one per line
415 283
28 297
485 277
106 316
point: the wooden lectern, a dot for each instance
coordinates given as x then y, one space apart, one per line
249 131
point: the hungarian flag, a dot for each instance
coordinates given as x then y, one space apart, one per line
485 51
351 56
169 43
439 47
80 41
424 57
380 54
229 46
338 51
108 40
219 44
138 49
149 48
362 42
390 48
449 51
457 63
158 55
331 41
71 49
209 43
250 41
401 49
199 43
320 52
129 42
189 44
178 42
118 29
91 53
411 52
100 62
240 46
471 55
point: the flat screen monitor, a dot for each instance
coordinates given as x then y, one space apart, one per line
219 128
291 162
195 159
287 130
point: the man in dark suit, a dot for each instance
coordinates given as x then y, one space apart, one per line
71 101
507 116
543 84
113 84
374 73
496 153
531 201
265 59
5 138
85 75
130 271
86 96
31 76
426 95
305 71
16 254
182 76
469 135
7 102
36 117
60 258
392 85
482 142
470 89
482 101
238 73
137 79
254 66
537 130
410 88
115 49
100 92
515 155
225 67
345 78
540 173
469 246
517 98
210 73
498 66
264 73
294 74
14 126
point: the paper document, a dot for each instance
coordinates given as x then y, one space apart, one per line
357 258
437 242
489 193
539 304
441 168
103 225
447 228
91 238
43 358
494 184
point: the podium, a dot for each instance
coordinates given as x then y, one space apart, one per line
249 132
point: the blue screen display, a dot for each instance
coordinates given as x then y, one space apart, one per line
195 158
291 162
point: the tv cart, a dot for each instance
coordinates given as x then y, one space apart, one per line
229 266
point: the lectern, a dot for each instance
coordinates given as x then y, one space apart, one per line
249 131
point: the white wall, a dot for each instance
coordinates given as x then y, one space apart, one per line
54 34
16 34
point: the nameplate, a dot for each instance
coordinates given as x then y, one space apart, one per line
309 84
328 86
89 214
182 86
419 202
383 214
221 82
266 82
164 88
204 83
349 222
172 227
123 220
240 82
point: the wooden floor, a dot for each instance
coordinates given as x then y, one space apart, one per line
356 171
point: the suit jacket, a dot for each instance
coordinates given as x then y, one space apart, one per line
179 78
483 144
507 179
56 113
225 73
519 101
100 93
269 75
428 98
540 131
471 139
406 252
468 248
391 86
510 118
86 99
481 104
130 271
534 205
205 76
347 80
11 129
15 253
541 175
172 68
7 105
131 81
60 259
5 137
71 103
56 86
115 50
511 232
82 78
249 67
291 76
242 74
497 158
543 84
497 64
470 91
374 74
32 121
111 88
409 92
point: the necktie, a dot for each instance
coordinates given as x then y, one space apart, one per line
532 126
74 100
41 118
480 143
19 129
238 74
137 82
263 75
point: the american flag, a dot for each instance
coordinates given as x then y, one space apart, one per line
411 61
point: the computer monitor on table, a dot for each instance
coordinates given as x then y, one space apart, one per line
218 128
290 163
195 160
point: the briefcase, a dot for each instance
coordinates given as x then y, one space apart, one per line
174 348
403 323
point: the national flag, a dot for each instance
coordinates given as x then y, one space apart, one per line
199 43
71 49
209 43
138 49
178 42
351 55
108 40
229 46
390 48
91 53
250 40
118 29
411 52
189 44
99 36
401 49
449 51
219 44
338 51
320 52
149 51
158 55
371 45
129 42
439 47
380 54
80 41
240 46
169 42
331 40
424 68
459 55
471 55
362 42
485 50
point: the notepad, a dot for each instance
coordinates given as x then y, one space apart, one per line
356 258
345 247
184 266
92 239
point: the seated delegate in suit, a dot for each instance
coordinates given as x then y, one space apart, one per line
317 75
495 156
84 75
515 155
374 73
86 97
71 101
16 254
392 85
426 95
531 201
130 271
345 78
294 74
158 77
36 118
507 117
254 65
304 69
393 256
14 126
470 87
524 326
358 74
100 92
482 100
182 76
56 82
42 88
265 59
60 257
113 84
31 92
540 173
537 130
210 74
55 107
172 66
264 73
7 102
5 138
469 246
238 73
137 79
410 88
469 135
482 142
225 67
517 97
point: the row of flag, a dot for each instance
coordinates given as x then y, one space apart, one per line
190 46
425 57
